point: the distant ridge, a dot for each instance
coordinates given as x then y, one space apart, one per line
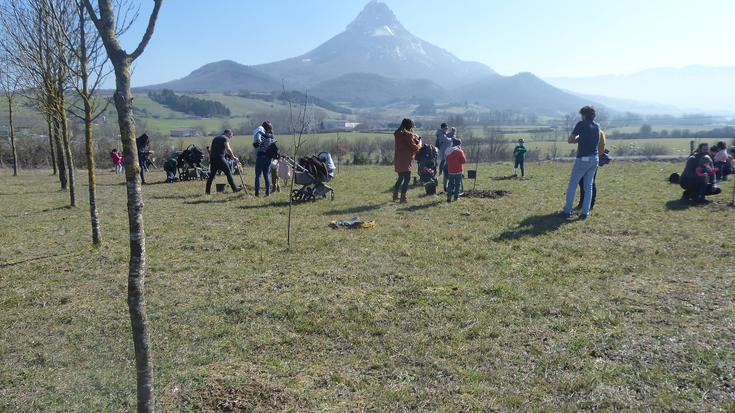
522 92
222 76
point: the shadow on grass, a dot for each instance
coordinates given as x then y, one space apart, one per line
415 208
679 205
279 204
45 257
29 193
215 201
505 178
43 211
534 226
356 210
170 197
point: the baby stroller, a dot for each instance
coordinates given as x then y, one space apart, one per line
426 158
312 173
190 166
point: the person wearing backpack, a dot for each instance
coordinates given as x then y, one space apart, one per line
262 141
217 151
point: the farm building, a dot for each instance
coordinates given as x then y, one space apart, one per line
185 132
339 125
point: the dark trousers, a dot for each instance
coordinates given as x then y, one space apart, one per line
402 182
594 191
694 189
723 170
141 163
219 164
263 167
522 164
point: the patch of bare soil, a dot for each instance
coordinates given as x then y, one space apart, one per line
493 194
248 397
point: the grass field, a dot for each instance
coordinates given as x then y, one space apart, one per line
481 305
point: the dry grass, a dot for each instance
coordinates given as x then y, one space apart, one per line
483 304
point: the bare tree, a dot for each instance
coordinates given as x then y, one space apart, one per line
298 124
121 61
89 69
34 40
9 82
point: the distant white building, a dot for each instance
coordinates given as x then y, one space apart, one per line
340 125
185 132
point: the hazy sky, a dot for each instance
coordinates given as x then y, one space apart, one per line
546 37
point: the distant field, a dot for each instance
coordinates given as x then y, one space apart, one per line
242 144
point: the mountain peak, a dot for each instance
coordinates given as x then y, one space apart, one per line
376 17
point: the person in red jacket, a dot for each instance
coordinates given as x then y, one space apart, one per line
407 143
117 160
455 167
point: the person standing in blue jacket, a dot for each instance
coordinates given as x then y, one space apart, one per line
262 140
586 135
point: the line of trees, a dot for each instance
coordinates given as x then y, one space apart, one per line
57 54
189 104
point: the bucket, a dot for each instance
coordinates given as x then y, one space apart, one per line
220 187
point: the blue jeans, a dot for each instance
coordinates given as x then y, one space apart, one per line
263 167
454 185
522 164
584 168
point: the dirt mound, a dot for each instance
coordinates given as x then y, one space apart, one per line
252 396
494 194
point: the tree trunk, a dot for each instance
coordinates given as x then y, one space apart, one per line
51 144
136 275
60 154
123 99
12 138
94 216
67 149
88 144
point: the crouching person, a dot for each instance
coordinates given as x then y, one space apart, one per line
455 167
170 167
703 179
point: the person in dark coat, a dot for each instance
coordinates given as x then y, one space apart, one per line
217 151
143 143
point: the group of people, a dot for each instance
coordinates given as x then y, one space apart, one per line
703 169
144 151
452 159
269 164
587 135
221 157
